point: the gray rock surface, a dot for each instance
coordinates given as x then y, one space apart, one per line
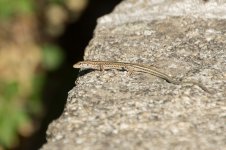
111 110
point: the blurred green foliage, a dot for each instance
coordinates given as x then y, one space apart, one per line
12 113
10 8
15 112
53 56
17 107
34 105
56 1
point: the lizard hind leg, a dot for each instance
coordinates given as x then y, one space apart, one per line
101 68
129 72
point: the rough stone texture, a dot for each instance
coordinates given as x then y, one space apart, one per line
110 110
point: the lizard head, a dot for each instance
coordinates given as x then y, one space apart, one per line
83 64
79 64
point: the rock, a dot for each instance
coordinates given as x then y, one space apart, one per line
111 110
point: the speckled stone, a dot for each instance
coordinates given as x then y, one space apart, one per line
111 110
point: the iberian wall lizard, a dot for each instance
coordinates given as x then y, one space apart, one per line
133 67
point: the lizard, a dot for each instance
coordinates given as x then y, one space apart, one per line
133 67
